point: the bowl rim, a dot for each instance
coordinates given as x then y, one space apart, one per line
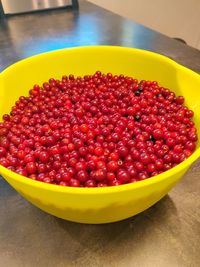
109 189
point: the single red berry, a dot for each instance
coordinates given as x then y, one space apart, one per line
143 175
179 100
80 166
123 176
44 156
84 128
157 134
90 183
91 165
112 166
2 152
114 156
159 164
82 176
100 175
74 182
123 151
151 168
190 145
63 183
66 176
110 176
115 182
31 167
145 158
98 151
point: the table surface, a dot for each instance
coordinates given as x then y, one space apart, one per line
167 234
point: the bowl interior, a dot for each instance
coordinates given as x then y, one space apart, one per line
20 77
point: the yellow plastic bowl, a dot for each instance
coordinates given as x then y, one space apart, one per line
98 205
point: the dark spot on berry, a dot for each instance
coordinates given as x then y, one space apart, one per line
136 117
137 93
140 88
151 138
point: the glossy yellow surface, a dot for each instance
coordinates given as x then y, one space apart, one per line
98 205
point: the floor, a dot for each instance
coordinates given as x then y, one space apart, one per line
175 18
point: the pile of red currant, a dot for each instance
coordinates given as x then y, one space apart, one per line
96 130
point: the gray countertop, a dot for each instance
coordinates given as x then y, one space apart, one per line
167 234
